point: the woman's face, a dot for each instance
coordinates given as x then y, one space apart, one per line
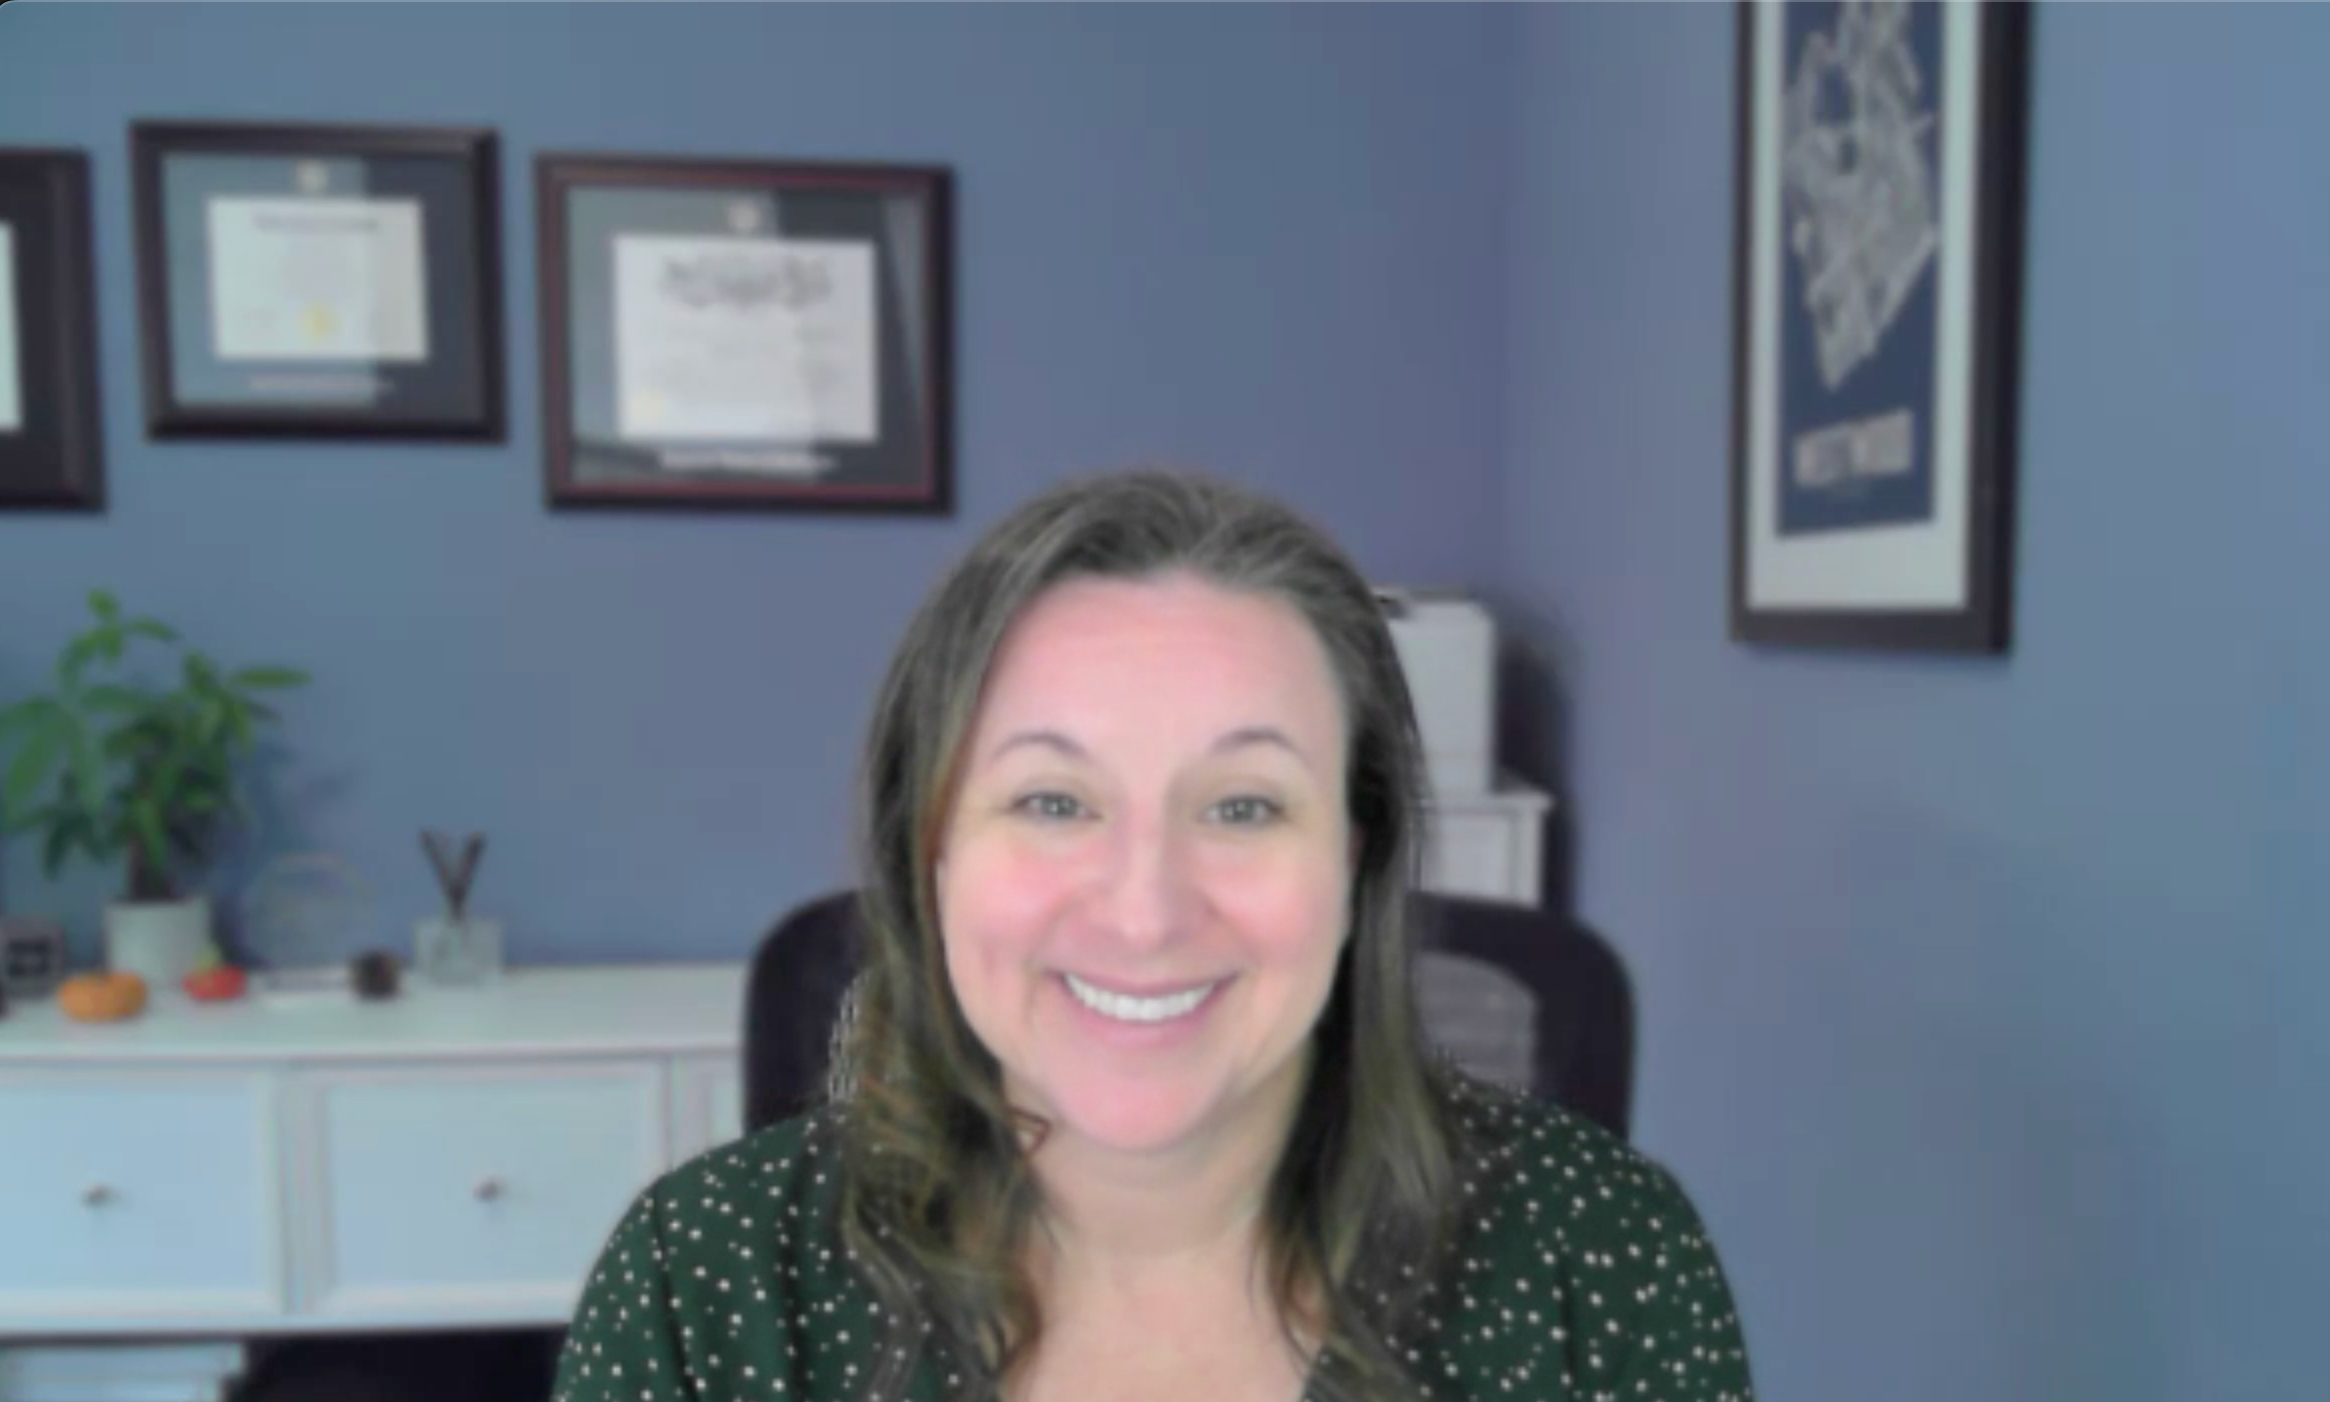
1145 876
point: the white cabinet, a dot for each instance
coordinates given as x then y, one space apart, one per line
469 1192
449 1158
707 1100
1488 845
147 1197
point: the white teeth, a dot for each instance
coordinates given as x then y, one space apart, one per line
1129 1009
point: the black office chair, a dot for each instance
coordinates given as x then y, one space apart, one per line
1529 999
1525 998
791 1004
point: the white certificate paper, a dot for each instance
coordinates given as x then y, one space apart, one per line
11 374
745 338
317 279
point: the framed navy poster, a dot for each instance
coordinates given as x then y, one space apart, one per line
1877 304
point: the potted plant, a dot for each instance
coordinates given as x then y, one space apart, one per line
116 769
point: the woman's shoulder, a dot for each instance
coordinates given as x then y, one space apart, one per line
1578 1252
728 1277
1569 1182
800 1154
766 1206
1506 1136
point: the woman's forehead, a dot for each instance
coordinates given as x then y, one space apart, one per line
1171 653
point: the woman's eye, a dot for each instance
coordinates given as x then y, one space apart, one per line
1050 807
1246 810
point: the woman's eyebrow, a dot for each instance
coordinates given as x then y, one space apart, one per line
1247 735
1241 738
1046 739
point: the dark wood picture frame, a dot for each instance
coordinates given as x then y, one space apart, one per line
896 220
53 458
453 390
1967 526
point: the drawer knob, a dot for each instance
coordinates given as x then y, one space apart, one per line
488 1189
96 1195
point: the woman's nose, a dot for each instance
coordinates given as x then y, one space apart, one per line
1145 896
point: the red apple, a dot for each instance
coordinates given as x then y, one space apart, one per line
216 984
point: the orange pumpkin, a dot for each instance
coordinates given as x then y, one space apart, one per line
102 997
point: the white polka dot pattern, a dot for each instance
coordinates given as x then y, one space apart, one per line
1581 1274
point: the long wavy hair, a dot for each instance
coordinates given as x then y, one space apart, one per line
939 1200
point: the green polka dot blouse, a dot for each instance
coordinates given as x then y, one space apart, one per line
1581 1274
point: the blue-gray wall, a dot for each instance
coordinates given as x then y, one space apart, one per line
1988 1003
1266 241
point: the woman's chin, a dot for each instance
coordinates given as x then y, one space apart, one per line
1128 1120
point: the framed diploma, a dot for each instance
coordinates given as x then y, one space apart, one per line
319 281
730 334
50 452
1878 299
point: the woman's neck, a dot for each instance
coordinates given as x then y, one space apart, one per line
1199 1203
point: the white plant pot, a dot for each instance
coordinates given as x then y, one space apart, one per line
159 941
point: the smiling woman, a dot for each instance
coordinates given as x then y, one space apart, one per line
1132 1100
1142 880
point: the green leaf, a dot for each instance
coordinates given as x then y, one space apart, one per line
104 605
234 721
156 764
29 771
147 816
76 658
26 714
56 848
88 770
267 678
40 817
112 699
168 790
75 830
152 628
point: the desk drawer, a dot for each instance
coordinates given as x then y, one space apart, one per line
144 1198
484 1190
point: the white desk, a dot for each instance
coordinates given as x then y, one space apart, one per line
452 1157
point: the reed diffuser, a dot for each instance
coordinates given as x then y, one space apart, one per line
456 947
